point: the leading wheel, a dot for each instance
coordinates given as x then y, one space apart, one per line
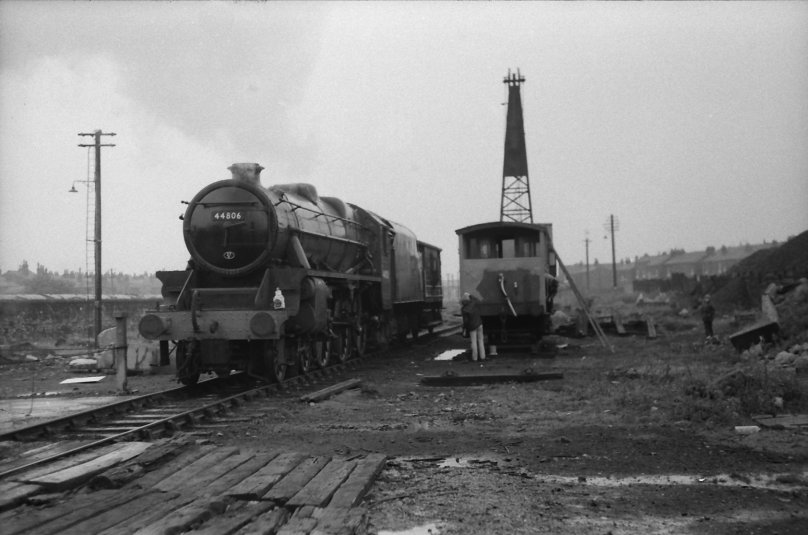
275 368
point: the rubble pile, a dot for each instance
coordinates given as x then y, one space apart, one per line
796 356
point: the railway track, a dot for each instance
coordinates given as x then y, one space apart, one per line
203 407
213 403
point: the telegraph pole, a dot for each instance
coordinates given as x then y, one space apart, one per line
97 238
612 225
586 241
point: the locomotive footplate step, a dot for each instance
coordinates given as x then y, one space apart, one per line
175 486
453 379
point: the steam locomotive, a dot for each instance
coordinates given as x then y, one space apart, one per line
282 280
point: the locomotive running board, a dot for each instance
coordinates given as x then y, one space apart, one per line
343 276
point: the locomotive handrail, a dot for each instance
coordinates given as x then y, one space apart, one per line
320 213
226 203
501 279
344 276
332 238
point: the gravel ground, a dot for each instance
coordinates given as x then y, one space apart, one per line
576 455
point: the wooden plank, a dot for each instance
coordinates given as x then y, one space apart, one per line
302 526
61 464
19 521
181 478
14 493
468 380
322 486
236 476
168 471
751 335
295 480
327 392
360 480
340 520
183 518
172 502
267 523
143 500
231 522
64 515
75 475
208 475
302 522
256 485
159 454
36 454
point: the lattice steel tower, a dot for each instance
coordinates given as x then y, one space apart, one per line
516 205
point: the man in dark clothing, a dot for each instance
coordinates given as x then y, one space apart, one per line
707 315
473 325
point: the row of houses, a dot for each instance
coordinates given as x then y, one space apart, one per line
707 263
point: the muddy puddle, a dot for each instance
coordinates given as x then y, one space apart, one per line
777 482
426 529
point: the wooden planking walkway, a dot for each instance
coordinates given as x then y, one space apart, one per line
175 486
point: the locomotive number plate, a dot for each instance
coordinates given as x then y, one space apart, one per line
227 215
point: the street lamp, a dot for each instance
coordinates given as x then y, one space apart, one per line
87 234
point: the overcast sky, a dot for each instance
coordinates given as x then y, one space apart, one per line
688 121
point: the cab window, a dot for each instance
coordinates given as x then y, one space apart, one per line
508 248
480 248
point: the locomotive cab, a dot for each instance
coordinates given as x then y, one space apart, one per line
510 268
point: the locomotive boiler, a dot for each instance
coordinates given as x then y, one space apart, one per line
282 278
511 268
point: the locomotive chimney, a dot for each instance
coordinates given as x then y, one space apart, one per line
247 172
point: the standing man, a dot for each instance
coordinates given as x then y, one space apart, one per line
707 315
473 325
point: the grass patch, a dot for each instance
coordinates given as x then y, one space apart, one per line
678 378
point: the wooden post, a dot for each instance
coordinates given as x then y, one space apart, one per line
582 302
120 351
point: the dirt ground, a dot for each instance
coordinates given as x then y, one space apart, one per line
621 444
